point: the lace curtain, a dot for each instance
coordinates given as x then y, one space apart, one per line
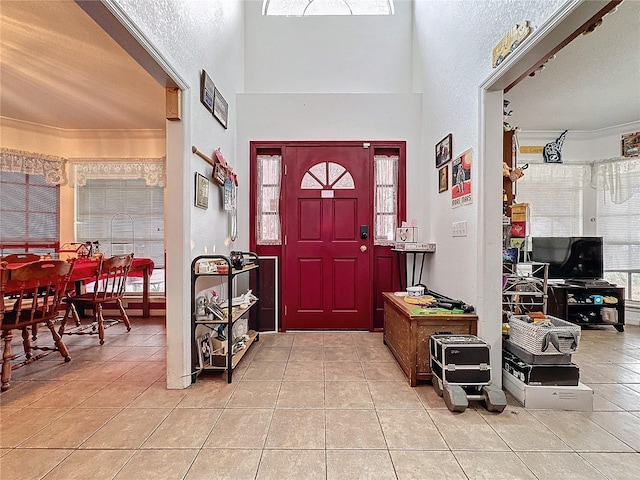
151 169
19 161
618 176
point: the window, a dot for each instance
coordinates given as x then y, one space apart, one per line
327 175
555 194
386 198
618 221
268 211
29 214
301 8
124 215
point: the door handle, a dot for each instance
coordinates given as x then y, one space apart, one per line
363 248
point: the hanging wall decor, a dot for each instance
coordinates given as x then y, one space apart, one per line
443 151
552 152
461 180
220 108
206 91
202 191
631 144
509 43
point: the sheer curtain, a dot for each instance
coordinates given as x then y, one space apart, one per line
617 181
555 193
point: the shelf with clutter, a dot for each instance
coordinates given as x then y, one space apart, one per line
220 322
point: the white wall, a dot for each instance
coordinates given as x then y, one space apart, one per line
454 40
353 54
191 36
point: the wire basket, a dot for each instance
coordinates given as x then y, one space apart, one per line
560 338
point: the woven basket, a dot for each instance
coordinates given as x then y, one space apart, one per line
562 338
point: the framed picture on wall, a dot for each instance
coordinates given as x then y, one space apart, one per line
206 91
220 108
631 145
443 151
202 191
443 179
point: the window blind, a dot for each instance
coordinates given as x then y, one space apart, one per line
29 214
555 196
124 215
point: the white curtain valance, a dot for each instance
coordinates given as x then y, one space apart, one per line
151 169
620 176
19 161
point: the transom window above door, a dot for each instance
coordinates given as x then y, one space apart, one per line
301 8
327 176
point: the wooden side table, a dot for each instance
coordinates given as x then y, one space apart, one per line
407 334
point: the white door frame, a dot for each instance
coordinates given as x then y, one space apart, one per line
115 21
543 40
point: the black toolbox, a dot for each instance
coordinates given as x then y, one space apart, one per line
566 374
533 359
460 359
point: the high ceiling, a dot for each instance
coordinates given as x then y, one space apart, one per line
593 83
59 68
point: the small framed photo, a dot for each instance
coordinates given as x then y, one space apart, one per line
443 179
203 344
206 91
631 145
220 108
202 191
443 151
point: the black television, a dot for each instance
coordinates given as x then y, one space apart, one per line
570 257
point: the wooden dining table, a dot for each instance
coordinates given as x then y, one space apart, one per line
84 270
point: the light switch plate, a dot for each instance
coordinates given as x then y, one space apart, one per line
459 229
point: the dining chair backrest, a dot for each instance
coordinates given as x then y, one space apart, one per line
35 291
21 258
111 277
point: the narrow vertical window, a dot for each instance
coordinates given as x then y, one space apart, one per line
268 212
386 198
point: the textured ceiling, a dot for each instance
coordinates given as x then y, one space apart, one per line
593 83
59 68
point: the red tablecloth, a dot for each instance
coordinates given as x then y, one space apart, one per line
85 270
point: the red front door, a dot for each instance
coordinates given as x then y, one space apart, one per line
327 281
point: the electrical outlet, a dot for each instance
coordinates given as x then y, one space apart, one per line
459 229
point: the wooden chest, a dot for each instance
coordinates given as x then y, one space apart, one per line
407 334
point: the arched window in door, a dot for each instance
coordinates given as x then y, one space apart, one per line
327 176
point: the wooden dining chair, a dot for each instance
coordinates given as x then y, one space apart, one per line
29 295
109 287
21 258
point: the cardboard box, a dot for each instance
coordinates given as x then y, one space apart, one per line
521 243
406 234
562 374
520 212
577 398
520 229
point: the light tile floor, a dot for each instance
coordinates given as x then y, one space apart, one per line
303 406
